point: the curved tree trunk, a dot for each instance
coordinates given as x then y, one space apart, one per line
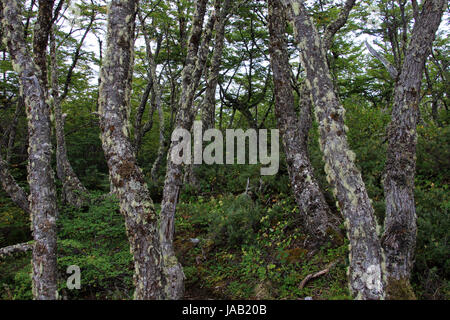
9 184
365 250
319 222
13 128
135 203
40 174
209 103
192 72
74 192
400 227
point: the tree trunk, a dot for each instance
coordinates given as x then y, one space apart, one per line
74 192
13 128
128 180
191 75
40 174
400 228
319 223
9 184
365 250
209 104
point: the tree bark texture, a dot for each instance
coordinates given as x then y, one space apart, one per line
318 221
74 192
40 174
9 184
128 180
174 175
365 271
400 227
15 249
209 103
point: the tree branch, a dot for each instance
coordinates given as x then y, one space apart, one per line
390 68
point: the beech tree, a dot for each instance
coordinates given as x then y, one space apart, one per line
141 220
367 269
400 227
32 76
320 223
192 71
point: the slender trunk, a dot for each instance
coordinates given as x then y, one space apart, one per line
162 145
400 227
365 250
13 129
320 224
74 192
128 180
40 174
9 184
173 180
209 104
153 87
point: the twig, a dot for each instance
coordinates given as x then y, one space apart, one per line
316 275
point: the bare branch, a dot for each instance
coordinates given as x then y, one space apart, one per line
390 68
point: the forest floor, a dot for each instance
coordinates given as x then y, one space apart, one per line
231 247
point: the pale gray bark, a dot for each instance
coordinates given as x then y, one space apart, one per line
390 68
365 270
20 107
162 144
9 184
41 33
15 249
135 203
74 192
40 174
320 224
400 227
209 103
184 119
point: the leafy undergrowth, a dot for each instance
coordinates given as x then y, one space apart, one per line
245 251
232 246
249 251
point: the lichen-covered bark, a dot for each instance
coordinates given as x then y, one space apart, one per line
74 192
15 249
209 103
195 60
40 175
319 223
20 107
40 39
365 270
162 144
400 228
9 184
127 178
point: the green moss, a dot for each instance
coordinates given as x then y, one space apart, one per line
399 289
